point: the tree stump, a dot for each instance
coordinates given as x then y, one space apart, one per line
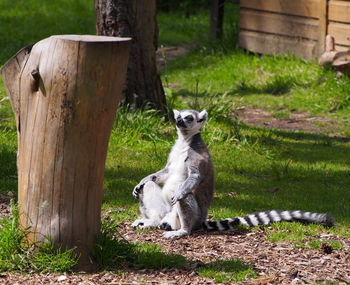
64 91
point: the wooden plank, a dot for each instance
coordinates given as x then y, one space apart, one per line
341 48
340 32
275 44
305 8
279 24
339 11
322 27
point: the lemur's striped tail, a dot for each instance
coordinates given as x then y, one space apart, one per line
268 217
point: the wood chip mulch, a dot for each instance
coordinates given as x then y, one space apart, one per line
275 263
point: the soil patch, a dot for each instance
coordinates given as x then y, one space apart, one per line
301 121
5 204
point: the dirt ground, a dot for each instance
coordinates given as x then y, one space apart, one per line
301 121
276 263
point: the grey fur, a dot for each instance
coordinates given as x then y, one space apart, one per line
268 217
188 180
181 206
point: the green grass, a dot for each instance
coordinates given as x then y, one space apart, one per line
16 254
280 84
230 270
176 28
317 244
305 236
28 21
8 148
114 252
275 83
311 171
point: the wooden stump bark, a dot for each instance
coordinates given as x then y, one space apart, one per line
64 91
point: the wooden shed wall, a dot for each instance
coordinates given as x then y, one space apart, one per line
339 23
298 26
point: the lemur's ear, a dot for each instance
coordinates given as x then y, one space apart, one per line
202 116
176 114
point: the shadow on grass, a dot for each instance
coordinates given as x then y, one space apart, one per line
303 146
227 270
119 184
276 85
8 169
7 162
113 252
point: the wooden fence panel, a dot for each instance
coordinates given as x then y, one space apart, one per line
341 48
339 11
274 44
340 32
279 24
298 26
306 8
322 27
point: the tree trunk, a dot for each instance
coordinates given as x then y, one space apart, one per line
136 19
216 18
64 91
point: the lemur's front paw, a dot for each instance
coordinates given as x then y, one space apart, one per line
177 197
138 222
138 188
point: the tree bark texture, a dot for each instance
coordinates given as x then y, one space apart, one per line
136 19
64 92
216 18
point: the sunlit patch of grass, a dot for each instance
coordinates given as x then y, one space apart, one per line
301 236
229 270
317 244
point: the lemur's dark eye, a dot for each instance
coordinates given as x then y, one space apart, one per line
189 118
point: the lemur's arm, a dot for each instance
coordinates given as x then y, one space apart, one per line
157 177
196 172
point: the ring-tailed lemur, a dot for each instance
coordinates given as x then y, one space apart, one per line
181 206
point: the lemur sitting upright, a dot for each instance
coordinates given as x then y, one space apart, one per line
181 206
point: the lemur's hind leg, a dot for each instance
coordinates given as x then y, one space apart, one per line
171 220
189 216
153 208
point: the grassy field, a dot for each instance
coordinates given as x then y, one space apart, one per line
310 170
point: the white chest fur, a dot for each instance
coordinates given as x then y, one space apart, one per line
177 171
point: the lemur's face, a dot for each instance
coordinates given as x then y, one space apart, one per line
190 120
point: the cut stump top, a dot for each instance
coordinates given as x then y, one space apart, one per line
91 38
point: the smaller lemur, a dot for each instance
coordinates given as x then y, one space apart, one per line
181 206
